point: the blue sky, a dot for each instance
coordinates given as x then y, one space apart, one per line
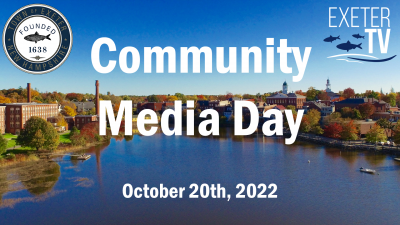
214 24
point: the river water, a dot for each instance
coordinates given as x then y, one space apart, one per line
328 190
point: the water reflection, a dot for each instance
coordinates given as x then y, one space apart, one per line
41 178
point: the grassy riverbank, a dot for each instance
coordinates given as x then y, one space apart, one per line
16 153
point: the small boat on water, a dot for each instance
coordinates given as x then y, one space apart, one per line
397 159
83 157
365 170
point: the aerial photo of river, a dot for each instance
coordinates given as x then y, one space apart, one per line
316 184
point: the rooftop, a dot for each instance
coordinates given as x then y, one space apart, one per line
359 101
26 103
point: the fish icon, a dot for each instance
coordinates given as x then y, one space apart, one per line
330 38
348 46
36 37
358 36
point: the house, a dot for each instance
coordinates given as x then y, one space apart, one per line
203 104
327 110
214 104
84 106
280 108
394 117
314 105
354 103
228 113
155 106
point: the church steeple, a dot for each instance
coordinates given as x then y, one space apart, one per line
328 86
285 89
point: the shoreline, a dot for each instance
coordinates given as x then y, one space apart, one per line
357 145
62 149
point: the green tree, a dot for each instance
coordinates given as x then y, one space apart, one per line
29 135
347 112
386 124
311 93
376 133
317 130
152 98
372 94
357 114
74 130
293 108
396 133
78 140
391 97
38 140
3 144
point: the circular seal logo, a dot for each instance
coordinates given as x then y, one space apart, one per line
37 39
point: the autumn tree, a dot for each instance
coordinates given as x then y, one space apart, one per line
323 96
366 110
376 133
349 131
68 111
300 92
228 95
310 122
29 136
4 99
333 130
61 121
172 98
348 93
116 107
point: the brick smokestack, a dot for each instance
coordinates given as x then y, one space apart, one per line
29 93
97 98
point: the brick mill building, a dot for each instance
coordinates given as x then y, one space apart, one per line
81 120
16 114
13 116
2 119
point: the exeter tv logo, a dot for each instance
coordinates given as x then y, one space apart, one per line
37 39
374 20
